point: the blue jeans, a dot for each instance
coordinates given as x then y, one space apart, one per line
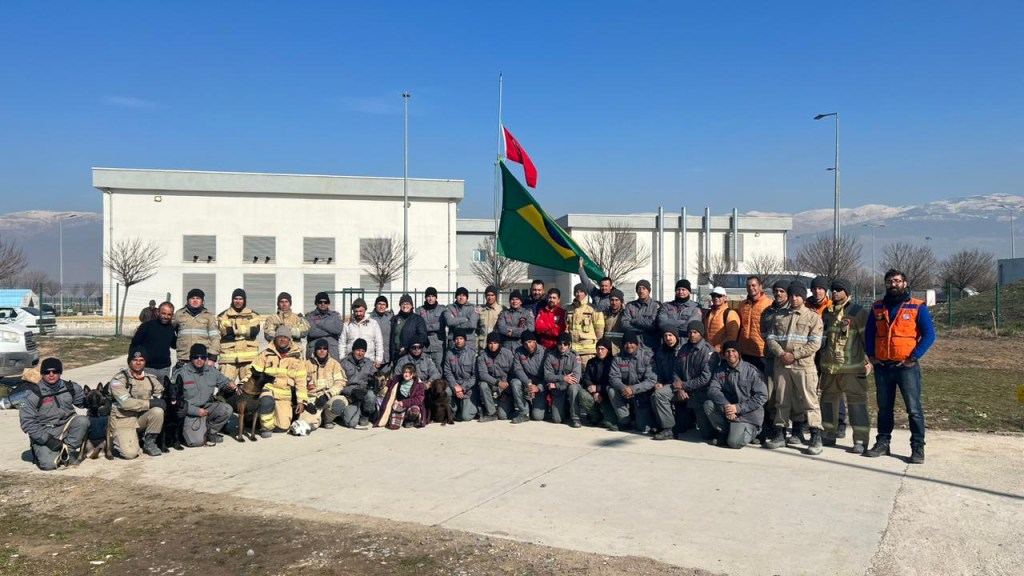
887 379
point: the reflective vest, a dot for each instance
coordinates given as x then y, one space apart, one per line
895 339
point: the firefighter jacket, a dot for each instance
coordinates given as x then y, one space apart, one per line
750 339
494 368
238 331
695 364
460 367
46 414
549 326
196 328
486 324
744 386
679 313
586 327
435 327
721 325
897 333
843 328
642 317
426 370
195 387
296 322
512 322
632 370
326 325
529 368
130 397
369 331
613 329
358 372
768 324
796 330
324 378
557 366
282 372
462 316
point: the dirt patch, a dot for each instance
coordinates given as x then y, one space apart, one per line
54 524
975 348
76 351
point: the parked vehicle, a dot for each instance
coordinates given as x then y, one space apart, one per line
18 349
30 319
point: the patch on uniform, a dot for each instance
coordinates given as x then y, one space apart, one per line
846 322
906 316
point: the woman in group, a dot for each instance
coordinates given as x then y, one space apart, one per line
402 403
593 400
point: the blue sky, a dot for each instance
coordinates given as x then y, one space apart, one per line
623 106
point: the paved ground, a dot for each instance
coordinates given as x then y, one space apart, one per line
750 511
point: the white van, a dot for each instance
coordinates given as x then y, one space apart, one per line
18 349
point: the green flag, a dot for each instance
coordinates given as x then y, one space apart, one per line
528 234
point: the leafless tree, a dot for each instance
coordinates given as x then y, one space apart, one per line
917 262
90 289
382 258
132 262
821 257
974 268
509 271
33 280
766 266
12 260
51 288
616 250
710 270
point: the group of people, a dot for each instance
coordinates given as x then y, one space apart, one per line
794 361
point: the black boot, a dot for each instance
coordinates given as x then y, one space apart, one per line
776 441
149 447
917 454
879 449
797 438
814 448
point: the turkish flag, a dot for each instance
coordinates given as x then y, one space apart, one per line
514 152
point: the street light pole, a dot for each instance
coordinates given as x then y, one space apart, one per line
1012 209
835 170
60 229
405 201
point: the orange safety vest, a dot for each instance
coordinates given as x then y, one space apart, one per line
896 339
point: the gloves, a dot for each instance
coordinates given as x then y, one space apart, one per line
157 403
359 394
229 332
310 408
321 401
253 331
54 444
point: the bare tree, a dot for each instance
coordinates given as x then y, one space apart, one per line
617 251
822 257
708 270
509 271
916 262
382 258
12 260
132 262
90 289
974 268
33 280
768 267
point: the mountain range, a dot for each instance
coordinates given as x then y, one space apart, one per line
946 225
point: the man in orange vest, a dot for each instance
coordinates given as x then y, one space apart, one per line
750 339
898 334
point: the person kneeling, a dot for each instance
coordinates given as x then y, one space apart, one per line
402 403
137 405
281 366
48 416
736 398
196 383
326 380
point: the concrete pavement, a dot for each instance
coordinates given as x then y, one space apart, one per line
750 511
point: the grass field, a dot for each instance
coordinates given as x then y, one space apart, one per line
978 311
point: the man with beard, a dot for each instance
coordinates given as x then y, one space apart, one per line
513 321
325 381
538 297
529 370
324 323
750 339
562 373
156 338
897 336
696 361
494 367
780 301
844 366
613 329
283 372
359 372
405 329
550 322
735 399
488 315
296 324
382 316
194 324
599 294
462 316
641 316
631 383
431 312
239 326
682 310
360 327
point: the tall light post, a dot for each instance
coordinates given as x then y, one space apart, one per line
874 270
1012 209
835 172
405 201
60 230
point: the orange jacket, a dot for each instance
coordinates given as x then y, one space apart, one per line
896 341
722 325
819 307
750 339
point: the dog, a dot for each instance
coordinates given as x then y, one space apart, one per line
246 400
97 405
436 401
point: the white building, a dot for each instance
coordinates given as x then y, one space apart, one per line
269 233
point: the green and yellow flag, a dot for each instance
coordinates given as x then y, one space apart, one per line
526 233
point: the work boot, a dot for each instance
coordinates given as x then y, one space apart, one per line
841 430
575 424
488 418
266 434
828 439
858 448
665 434
364 421
73 460
814 447
149 446
519 419
917 454
879 449
328 425
776 441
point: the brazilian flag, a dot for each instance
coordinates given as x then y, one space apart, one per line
528 234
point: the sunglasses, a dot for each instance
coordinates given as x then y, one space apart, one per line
51 372
197 357
416 347
322 302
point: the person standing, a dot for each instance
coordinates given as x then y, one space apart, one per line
599 294
285 317
488 316
360 327
845 366
406 328
513 321
324 323
819 301
550 322
585 325
136 404
538 297
55 431
382 316
898 334
194 324
156 338
780 301
239 328
681 311
613 329
736 397
149 312
431 312
722 323
750 339
641 316
461 315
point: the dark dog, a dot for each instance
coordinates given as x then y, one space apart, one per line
97 404
170 436
436 401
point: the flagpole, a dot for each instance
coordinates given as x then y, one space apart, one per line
497 180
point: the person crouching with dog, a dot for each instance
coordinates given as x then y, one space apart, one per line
195 384
325 380
403 401
283 370
136 404
48 416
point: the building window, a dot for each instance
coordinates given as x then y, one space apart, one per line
260 292
318 250
371 249
205 282
479 255
199 249
259 249
728 251
313 283
369 285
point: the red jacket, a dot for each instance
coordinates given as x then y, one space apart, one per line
549 326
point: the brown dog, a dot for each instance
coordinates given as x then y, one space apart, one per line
436 401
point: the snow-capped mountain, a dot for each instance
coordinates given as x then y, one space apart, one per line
37 233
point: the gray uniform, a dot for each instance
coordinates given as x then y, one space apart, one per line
743 386
465 317
633 370
665 374
460 368
50 413
359 390
435 332
426 370
599 301
197 388
564 398
642 318
384 321
512 324
679 313
327 325
529 369
694 363
492 369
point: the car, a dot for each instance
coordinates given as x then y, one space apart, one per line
18 349
29 318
